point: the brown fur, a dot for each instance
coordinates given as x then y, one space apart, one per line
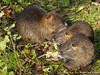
36 26
78 52
78 27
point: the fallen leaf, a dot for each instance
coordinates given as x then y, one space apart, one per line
1 14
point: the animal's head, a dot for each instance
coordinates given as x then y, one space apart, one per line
78 48
53 22
63 36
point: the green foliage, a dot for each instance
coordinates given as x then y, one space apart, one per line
3 42
7 67
96 67
86 13
28 59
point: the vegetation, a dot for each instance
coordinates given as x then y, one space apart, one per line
31 59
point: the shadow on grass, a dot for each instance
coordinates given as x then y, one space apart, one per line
97 42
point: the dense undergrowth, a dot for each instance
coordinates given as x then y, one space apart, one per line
30 59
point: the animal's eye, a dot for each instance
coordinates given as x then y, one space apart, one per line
74 44
46 39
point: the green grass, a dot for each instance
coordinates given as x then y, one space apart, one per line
15 59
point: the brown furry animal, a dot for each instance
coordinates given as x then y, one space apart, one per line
78 27
77 52
36 26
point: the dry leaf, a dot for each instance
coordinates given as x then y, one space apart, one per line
1 14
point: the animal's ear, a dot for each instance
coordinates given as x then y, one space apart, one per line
49 16
66 33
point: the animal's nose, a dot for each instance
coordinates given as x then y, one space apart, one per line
67 48
66 60
61 52
55 37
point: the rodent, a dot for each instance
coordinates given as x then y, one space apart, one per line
78 27
36 26
77 52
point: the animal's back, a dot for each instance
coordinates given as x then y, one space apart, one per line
28 23
82 27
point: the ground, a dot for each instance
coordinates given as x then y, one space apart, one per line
29 59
